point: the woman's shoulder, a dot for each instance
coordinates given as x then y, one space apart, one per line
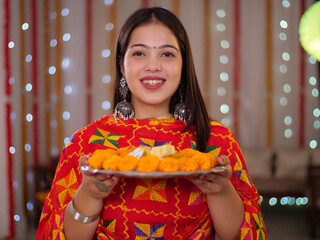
219 128
99 123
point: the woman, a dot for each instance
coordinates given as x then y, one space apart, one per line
155 80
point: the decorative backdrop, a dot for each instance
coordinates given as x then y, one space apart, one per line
56 76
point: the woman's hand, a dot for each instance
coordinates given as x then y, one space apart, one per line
98 185
214 182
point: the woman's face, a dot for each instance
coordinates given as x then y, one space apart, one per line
152 67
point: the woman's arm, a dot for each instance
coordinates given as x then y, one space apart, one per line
227 211
86 206
224 203
88 201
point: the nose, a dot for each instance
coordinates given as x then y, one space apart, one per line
153 65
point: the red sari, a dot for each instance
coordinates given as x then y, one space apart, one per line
172 208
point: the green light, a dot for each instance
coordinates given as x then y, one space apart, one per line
309 30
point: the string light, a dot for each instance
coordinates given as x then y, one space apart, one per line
29 206
225 44
66 115
28 58
273 201
11 44
313 144
53 16
283 36
224 76
13 116
66 140
65 12
15 184
285 56
283 24
12 150
28 87
11 81
52 70
53 43
25 26
29 117
53 97
66 37
53 123
105 53
316 124
288 133
312 80
315 92
221 91
221 27
108 2
283 68
287 88
106 105
65 63
224 108
68 89
221 13
27 147
285 3
224 59
109 26
16 218
106 78
283 101
312 60
287 120
226 121
54 151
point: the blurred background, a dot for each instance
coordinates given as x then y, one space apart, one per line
56 74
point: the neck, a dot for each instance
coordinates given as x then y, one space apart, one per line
151 112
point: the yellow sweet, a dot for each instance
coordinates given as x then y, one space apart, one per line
162 151
148 163
169 164
188 164
111 163
128 163
97 158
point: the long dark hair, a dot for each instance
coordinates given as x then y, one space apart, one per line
188 84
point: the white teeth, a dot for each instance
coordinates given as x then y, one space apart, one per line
152 82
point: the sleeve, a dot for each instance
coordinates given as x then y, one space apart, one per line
66 182
253 226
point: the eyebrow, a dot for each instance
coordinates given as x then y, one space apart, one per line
149 47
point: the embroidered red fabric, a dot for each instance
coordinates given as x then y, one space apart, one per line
170 208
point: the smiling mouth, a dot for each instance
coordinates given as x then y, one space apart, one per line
152 82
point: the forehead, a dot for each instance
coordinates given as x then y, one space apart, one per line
153 34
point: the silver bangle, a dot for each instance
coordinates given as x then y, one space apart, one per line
79 217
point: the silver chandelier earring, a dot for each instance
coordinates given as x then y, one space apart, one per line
123 109
181 112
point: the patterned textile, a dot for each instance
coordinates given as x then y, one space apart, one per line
172 208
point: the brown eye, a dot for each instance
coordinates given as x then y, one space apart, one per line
168 54
138 53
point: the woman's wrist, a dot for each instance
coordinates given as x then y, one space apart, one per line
86 205
80 217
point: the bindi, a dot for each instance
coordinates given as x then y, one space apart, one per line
154 47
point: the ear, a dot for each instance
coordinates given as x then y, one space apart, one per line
121 67
122 70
